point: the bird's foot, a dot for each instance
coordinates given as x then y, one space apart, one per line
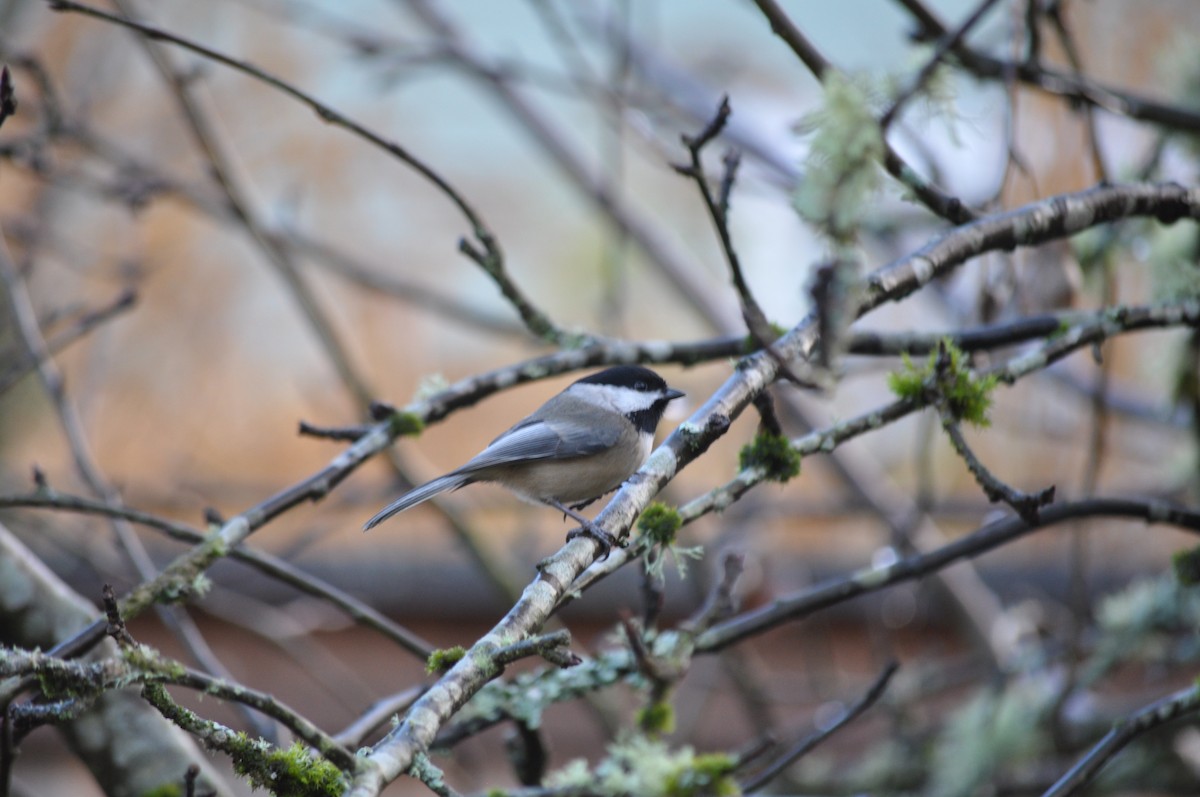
605 540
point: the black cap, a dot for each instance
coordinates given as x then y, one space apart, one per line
631 376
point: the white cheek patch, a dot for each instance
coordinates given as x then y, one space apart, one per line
624 400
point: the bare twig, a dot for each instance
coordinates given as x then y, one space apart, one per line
267 564
80 328
1025 504
721 602
718 210
593 186
987 538
945 44
804 746
1184 702
1075 89
116 624
176 620
379 713
549 646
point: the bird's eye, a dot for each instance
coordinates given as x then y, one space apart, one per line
640 386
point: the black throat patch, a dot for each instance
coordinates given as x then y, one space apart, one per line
646 421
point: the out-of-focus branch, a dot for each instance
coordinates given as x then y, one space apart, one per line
1049 219
22 311
215 151
80 328
126 745
948 207
944 45
135 182
807 744
265 563
987 538
489 257
673 266
8 97
1073 88
1184 702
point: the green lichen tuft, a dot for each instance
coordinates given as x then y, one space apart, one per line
216 546
751 343
657 718
165 790
647 767
1186 565
842 170
659 523
405 424
442 660
149 660
909 381
709 774
968 396
201 584
176 588
1178 67
428 773
774 454
292 771
1174 275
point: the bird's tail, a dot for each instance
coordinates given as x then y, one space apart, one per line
451 481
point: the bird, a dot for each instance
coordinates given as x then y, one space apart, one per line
579 445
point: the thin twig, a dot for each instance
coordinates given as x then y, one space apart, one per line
801 604
804 746
1025 504
80 328
1075 89
718 211
267 564
674 266
376 715
944 46
1186 701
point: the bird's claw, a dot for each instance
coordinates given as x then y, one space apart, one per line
605 540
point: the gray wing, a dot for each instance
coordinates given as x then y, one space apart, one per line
536 438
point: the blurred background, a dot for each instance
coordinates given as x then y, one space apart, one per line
559 123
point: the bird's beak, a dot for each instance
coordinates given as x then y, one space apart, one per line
671 394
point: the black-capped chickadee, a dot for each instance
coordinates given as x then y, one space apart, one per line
573 449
